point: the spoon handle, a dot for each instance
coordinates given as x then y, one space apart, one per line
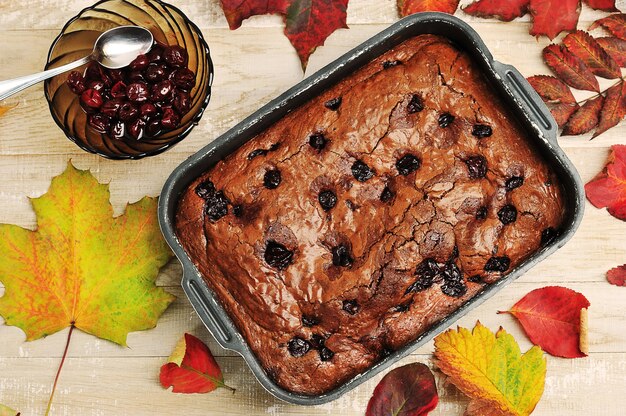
12 86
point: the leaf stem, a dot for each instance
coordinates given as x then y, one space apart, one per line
56 379
601 92
213 380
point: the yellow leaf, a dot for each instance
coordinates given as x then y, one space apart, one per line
82 266
4 109
6 411
491 370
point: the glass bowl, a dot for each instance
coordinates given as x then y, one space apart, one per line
169 26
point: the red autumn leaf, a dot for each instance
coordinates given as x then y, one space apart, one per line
562 113
585 118
407 7
613 109
585 47
192 368
409 390
606 5
551 317
569 68
608 188
617 275
551 17
505 10
552 89
615 24
615 47
307 22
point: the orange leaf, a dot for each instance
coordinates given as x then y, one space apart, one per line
608 188
562 112
585 118
551 89
407 7
615 24
551 17
617 275
581 44
613 109
615 47
81 267
191 368
550 317
569 68
505 10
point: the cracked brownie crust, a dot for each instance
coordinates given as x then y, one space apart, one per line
359 220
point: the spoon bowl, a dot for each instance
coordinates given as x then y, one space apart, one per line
117 47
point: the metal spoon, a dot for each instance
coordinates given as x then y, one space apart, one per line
113 49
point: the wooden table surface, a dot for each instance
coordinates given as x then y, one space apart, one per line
253 65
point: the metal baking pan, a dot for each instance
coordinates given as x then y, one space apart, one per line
515 92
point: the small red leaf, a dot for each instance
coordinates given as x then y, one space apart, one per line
407 7
605 5
608 188
551 317
613 109
238 10
615 47
409 390
551 89
585 47
505 10
585 118
562 113
192 368
551 17
615 24
617 275
569 68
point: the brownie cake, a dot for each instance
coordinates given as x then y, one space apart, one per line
359 220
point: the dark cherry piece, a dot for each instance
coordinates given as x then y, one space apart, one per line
136 129
497 264
342 257
309 321
216 206
118 130
277 255
262 152
333 104
272 179
387 194
99 122
205 189
407 164
389 64
476 166
297 347
361 171
127 112
183 78
326 354
148 110
426 272
481 213
138 92
140 63
327 199
163 91
403 307
170 119
155 72
317 341
445 120
415 105
514 182
451 272
238 210
76 82
317 141
175 56
91 99
507 214
481 131
111 107
351 306
454 288
153 128
119 90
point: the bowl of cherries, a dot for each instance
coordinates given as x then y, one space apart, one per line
139 110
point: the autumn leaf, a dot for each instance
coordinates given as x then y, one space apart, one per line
562 113
617 275
491 370
3 110
615 47
6 411
615 24
613 109
307 22
407 7
191 368
557 95
605 5
551 317
569 68
608 188
585 118
409 390
505 10
585 47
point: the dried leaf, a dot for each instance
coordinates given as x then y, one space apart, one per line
585 47
191 368
238 10
562 113
6 411
550 317
81 267
409 390
617 275
551 89
551 17
615 24
605 5
407 7
504 10
569 68
3 110
613 109
585 118
491 370
615 47
608 188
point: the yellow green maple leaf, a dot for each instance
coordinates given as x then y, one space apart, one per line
492 371
7 411
82 267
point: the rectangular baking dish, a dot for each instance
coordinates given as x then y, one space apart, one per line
515 92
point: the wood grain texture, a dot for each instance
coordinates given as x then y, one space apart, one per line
253 65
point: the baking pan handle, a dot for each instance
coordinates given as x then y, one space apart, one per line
208 310
530 100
